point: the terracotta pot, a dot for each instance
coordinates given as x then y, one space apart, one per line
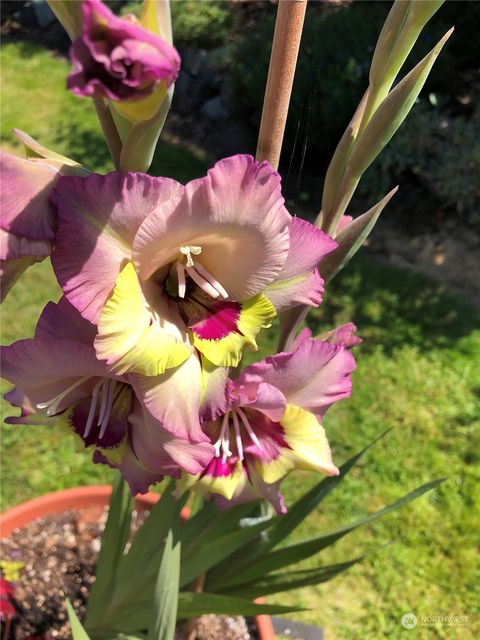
92 500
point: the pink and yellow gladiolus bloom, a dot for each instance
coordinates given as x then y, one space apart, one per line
168 271
147 428
272 424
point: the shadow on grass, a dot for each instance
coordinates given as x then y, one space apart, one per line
394 306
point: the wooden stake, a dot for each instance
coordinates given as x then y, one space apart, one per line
283 60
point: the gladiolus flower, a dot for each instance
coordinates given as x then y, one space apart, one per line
146 428
28 219
117 59
273 423
166 271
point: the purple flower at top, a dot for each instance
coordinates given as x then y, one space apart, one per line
116 58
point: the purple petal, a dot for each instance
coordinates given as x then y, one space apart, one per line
99 216
160 452
313 377
117 58
174 399
344 335
139 479
42 369
61 321
13 247
261 396
25 188
299 281
304 335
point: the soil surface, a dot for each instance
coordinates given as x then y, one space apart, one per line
59 554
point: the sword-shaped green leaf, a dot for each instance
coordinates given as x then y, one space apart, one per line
352 238
278 582
192 605
336 168
399 34
391 113
114 540
381 127
164 609
216 549
78 632
305 548
69 14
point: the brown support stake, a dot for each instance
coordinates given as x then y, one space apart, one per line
283 60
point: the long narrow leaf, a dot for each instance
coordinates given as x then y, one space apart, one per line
217 549
130 600
336 168
391 113
78 632
191 605
139 567
352 238
381 127
296 552
210 522
164 610
400 32
114 540
278 582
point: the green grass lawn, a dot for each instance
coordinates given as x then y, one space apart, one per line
417 373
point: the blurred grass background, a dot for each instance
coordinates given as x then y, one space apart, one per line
417 372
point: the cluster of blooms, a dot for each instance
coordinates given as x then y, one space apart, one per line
164 286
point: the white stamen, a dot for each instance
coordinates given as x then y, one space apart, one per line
201 276
93 406
223 443
202 283
103 406
188 250
181 280
249 429
52 405
209 278
226 445
238 437
110 386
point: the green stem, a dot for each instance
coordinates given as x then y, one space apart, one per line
109 130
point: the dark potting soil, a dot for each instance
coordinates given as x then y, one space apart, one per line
59 554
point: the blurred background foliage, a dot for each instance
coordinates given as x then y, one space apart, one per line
417 368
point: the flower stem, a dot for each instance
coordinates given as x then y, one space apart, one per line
283 60
109 130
